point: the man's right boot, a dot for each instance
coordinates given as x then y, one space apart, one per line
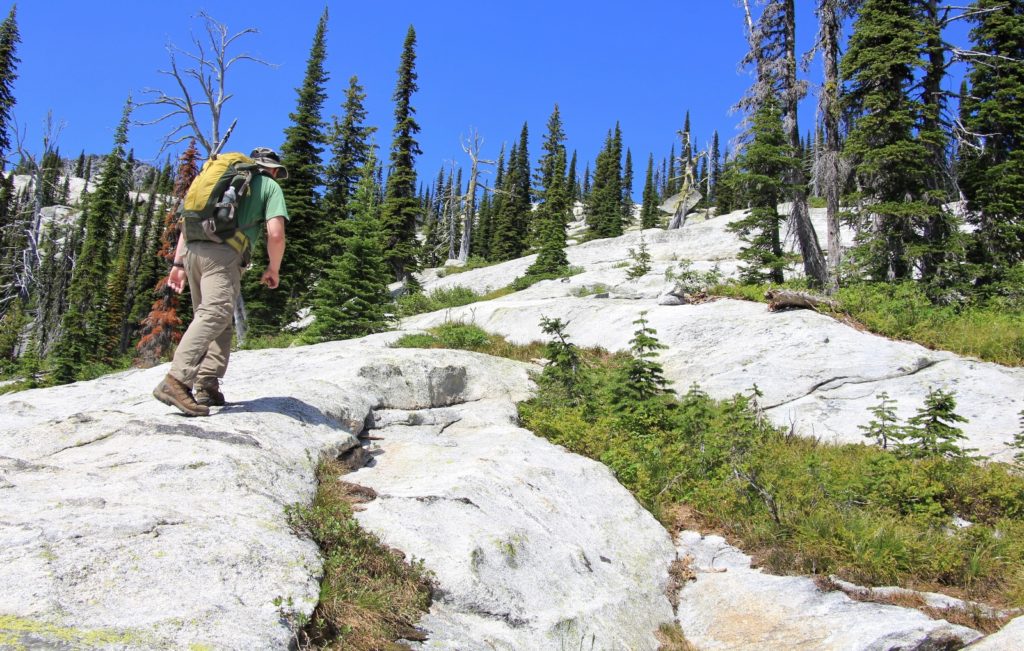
174 393
208 392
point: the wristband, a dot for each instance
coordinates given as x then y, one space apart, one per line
178 264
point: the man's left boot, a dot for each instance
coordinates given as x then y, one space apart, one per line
208 393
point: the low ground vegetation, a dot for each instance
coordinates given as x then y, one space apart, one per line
369 596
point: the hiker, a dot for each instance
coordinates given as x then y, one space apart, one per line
213 269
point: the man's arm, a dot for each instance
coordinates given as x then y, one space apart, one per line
275 251
176 279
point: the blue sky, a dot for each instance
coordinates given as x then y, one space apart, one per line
481 65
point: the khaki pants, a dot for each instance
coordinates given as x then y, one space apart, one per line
214 274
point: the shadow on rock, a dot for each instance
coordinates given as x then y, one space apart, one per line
286 406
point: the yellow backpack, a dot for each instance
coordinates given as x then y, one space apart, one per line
208 213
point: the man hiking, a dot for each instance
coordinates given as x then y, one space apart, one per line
213 269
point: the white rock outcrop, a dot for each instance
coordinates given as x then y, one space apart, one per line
125 525
819 376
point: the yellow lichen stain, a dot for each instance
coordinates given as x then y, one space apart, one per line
12 628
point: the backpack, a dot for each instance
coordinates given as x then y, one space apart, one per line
208 213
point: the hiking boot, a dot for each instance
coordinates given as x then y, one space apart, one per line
174 393
208 393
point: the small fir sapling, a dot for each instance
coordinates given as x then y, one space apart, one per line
931 431
641 261
884 428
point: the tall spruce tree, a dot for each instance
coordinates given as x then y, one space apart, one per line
505 235
351 299
9 39
880 70
649 209
350 148
269 310
764 165
554 194
992 164
627 189
604 210
400 209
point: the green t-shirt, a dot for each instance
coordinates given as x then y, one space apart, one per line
263 202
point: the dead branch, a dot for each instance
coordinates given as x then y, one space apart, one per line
200 87
782 299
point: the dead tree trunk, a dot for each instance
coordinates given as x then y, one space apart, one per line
793 90
830 19
472 149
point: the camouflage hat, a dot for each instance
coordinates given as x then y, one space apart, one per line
267 157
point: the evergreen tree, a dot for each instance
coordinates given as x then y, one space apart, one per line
564 368
80 165
350 147
992 170
573 182
931 432
505 234
85 318
522 197
764 166
555 197
627 189
604 210
352 297
269 310
642 378
400 207
649 209
891 163
9 39
884 428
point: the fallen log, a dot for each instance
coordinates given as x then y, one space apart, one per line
783 299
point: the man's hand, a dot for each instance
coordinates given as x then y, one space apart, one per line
269 278
176 280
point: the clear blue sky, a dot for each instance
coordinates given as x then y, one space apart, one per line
489 66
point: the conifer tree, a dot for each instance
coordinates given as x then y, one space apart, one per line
764 166
351 299
84 320
884 428
573 182
350 147
880 67
604 210
268 310
649 209
992 170
552 213
9 39
505 234
932 432
642 378
627 189
522 197
400 208
565 367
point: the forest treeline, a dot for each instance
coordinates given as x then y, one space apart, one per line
931 182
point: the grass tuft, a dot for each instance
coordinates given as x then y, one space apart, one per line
370 596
